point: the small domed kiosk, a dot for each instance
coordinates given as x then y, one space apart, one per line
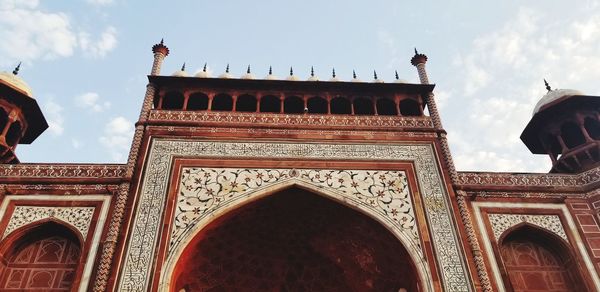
565 125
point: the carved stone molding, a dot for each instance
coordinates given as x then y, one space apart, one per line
78 217
550 180
502 222
62 171
148 214
204 190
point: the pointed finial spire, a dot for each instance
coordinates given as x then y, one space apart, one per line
333 72
416 52
204 68
227 68
16 71
353 74
183 67
312 71
291 71
248 70
397 77
270 70
547 85
418 58
375 75
162 41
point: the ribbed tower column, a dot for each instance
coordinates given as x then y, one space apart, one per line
122 194
419 61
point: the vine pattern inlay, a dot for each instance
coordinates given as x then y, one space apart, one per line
78 217
146 225
204 190
62 171
502 222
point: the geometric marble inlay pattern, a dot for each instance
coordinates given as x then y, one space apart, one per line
78 217
149 210
203 190
502 222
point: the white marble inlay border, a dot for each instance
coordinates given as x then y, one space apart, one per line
143 239
78 217
502 222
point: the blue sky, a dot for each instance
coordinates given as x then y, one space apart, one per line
87 61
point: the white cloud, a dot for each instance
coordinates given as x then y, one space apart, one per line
99 48
29 33
91 100
118 133
76 143
54 116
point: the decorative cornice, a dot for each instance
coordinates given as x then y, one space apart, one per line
393 123
63 171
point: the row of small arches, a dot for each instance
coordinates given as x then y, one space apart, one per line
571 135
10 131
198 101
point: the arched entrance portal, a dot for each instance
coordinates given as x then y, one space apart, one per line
294 240
536 260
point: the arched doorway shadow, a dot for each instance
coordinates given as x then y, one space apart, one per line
43 255
412 255
534 258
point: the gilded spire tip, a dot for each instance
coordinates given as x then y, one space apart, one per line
16 71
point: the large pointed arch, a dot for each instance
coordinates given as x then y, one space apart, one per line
414 252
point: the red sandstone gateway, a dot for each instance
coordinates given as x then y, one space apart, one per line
246 184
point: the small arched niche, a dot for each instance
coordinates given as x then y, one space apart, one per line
537 260
409 107
317 105
245 103
571 134
222 102
386 107
293 105
270 104
592 126
363 106
197 102
41 258
173 100
341 106
294 240
14 134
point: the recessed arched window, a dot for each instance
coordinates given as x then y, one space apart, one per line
3 118
592 126
363 106
13 134
245 103
386 107
173 100
571 135
552 144
156 100
270 104
222 102
537 260
293 105
317 105
409 107
45 258
197 102
341 105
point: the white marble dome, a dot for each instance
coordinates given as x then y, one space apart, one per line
180 73
16 82
554 95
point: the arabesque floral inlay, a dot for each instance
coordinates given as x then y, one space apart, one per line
78 217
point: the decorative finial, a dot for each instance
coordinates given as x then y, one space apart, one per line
353 74
312 71
227 68
291 71
547 85
416 53
418 58
248 70
162 41
333 73
16 71
204 68
183 67
161 48
397 77
374 74
270 70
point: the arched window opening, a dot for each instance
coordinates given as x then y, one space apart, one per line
222 102
3 118
295 240
363 106
173 100
156 100
386 107
538 261
13 134
341 105
270 104
551 143
571 135
293 105
317 105
245 103
592 126
409 107
44 259
197 102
